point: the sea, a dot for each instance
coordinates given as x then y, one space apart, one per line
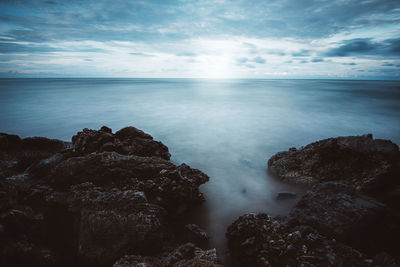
226 128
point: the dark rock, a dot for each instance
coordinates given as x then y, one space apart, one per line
186 255
129 133
371 165
127 141
340 211
9 141
286 195
43 144
115 222
196 235
87 206
106 129
258 240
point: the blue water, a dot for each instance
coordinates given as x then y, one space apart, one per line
226 128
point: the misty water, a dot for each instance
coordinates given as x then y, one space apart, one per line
226 128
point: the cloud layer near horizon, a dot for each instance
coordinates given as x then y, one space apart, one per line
211 38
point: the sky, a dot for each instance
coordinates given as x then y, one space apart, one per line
349 39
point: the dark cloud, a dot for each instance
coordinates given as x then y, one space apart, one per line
315 60
387 64
350 64
365 47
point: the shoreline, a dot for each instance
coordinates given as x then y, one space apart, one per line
44 160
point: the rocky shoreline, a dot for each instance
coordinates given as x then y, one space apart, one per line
105 199
115 199
350 216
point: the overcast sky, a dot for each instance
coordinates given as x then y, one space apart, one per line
213 39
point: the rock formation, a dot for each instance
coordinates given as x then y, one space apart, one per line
92 201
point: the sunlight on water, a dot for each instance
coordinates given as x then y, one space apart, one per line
226 128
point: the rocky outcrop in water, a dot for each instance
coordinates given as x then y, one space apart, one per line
370 165
335 223
94 200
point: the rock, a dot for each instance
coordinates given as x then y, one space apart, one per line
9 141
186 255
258 240
129 133
105 168
86 206
115 222
127 141
372 165
196 235
341 212
286 195
43 144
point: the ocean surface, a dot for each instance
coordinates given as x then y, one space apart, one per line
226 128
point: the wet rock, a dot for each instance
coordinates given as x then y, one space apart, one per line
340 211
187 255
371 165
259 240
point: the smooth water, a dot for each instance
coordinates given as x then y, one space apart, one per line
226 128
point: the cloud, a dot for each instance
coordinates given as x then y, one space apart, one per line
241 61
141 54
365 47
301 53
143 37
315 60
259 60
387 64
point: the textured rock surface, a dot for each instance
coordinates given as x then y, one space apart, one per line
371 165
90 202
186 255
259 240
341 212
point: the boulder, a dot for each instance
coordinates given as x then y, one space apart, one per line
370 165
339 211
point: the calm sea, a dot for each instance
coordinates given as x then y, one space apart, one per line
226 128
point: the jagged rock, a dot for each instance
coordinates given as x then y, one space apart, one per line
371 165
340 211
187 255
127 141
258 240
79 204
115 222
